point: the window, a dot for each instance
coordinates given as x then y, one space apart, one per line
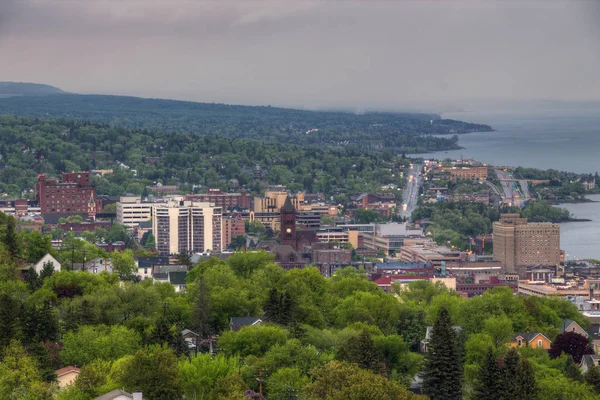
540 343
520 343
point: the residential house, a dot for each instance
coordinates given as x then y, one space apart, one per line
588 361
66 376
593 332
237 323
572 326
39 265
457 329
530 339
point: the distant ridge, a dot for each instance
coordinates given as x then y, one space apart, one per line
10 89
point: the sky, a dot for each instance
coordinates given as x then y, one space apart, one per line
322 54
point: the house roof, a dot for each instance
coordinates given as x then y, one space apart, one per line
429 332
113 394
147 262
527 336
590 360
384 280
163 276
66 370
177 277
188 332
239 322
566 323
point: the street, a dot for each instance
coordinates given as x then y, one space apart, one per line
411 192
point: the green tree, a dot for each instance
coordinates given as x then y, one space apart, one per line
338 380
20 376
279 307
251 340
442 372
361 351
123 263
200 374
592 378
237 243
150 242
99 342
572 370
153 371
526 385
489 385
510 370
286 383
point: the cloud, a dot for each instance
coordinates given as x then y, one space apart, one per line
315 54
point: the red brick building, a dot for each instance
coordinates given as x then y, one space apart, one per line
224 200
73 194
233 226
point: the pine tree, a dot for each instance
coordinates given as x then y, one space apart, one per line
592 378
279 307
442 373
362 351
526 385
572 370
201 312
509 371
489 384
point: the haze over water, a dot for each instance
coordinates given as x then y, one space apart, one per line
566 141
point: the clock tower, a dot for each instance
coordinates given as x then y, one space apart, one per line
288 223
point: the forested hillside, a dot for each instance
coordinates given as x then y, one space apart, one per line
402 131
30 146
26 89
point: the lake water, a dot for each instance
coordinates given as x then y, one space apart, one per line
582 239
568 141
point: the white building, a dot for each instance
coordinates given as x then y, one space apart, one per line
186 227
131 210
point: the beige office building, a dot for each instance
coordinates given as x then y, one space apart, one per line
131 210
187 227
518 243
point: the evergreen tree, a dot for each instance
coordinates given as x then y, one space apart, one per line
164 333
442 373
32 279
202 311
572 370
510 370
489 384
592 378
11 239
362 351
278 307
526 385
46 272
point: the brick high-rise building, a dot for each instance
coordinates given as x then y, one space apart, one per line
223 200
233 226
73 194
186 227
519 244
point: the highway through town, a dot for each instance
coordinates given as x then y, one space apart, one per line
411 192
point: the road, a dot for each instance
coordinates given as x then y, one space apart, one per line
411 192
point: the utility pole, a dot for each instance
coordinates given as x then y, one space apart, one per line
260 382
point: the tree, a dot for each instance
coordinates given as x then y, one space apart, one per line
237 243
489 385
36 245
279 307
572 370
201 312
442 372
89 343
338 380
363 216
251 340
592 378
200 374
510 369
362 352
123 263
167 334
286 383
110 208
20 376
150 242
526 384
153 371
571 343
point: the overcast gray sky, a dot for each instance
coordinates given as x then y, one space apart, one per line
303 53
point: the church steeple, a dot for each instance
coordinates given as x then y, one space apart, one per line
288 223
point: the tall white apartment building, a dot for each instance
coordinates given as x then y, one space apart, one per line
186 227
